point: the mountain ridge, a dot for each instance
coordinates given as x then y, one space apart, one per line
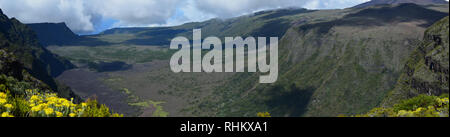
395 2
54 33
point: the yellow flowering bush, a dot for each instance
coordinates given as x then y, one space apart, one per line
420 106
36 104
5 107
263 114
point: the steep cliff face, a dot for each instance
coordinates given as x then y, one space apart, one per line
353 62
11 67
426 71
54 33
21 41
336 66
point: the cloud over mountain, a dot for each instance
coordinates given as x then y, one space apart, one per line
86 15
230 8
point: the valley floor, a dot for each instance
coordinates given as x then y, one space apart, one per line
146 89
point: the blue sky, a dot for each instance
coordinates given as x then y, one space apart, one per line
94 16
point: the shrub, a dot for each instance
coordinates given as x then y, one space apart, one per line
263 114
36 104
416 102
420 106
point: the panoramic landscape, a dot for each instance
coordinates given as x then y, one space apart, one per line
378 58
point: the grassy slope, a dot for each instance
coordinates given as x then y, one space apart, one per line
124 53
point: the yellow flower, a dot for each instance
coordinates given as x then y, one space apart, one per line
445 100
66 104
48 111
263 114
58 114
402 113
34 98
36 108
83 104
6 114
419 110
2 95
8 106
72 115
2 101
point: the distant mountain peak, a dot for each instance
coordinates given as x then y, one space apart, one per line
392 2
54 33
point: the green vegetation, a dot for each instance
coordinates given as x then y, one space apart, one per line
341 64
20 50
27 88
263 114
158 112
420 106
22 95
17 100
426 71
48 105
123 53
134 100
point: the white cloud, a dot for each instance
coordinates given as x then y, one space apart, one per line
136 12
84 15
72 12
332 4
230 8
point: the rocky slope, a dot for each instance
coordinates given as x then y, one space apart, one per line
426 71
